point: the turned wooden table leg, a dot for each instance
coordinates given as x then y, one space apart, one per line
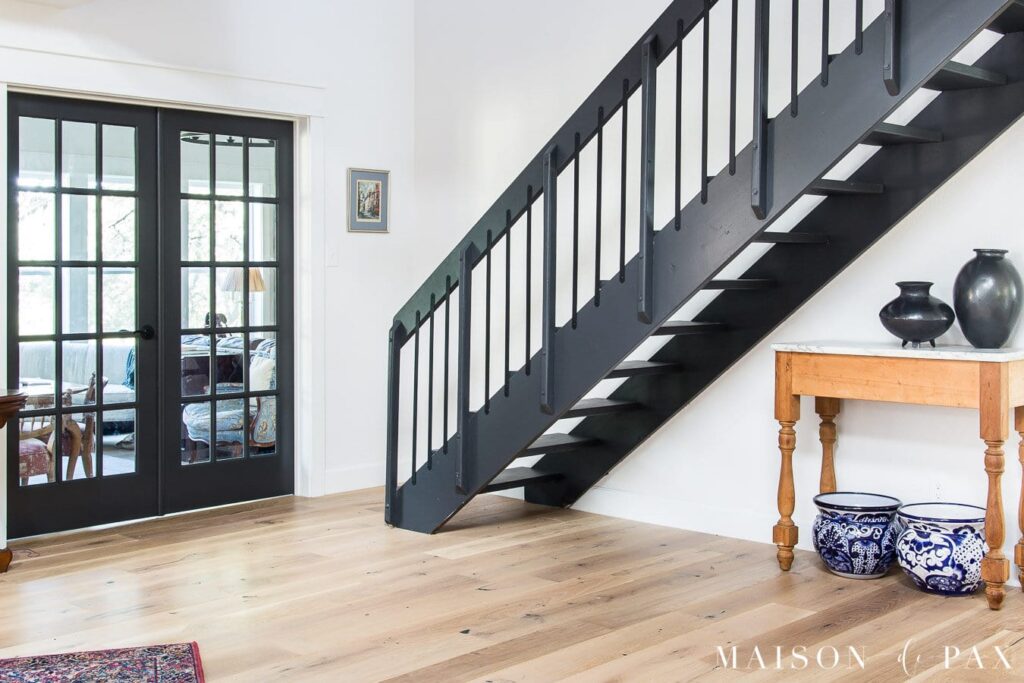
785 534
994 404
1019 550
827 409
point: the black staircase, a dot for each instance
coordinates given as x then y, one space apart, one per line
458 450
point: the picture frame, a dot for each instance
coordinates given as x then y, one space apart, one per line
369 200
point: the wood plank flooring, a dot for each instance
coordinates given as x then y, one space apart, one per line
322 590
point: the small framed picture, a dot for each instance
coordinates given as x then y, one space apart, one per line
369 199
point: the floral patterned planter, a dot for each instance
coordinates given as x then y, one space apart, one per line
941 546
854 533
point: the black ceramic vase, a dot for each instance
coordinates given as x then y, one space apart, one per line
915 316
987 297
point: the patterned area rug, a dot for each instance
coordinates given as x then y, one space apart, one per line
178 663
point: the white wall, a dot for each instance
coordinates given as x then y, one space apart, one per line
714 467
354 63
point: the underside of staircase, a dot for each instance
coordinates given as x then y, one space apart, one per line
910 46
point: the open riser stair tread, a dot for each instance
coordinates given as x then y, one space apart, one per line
517 477
958 76
893 134
677 328
741 284
790 238
599 406
632 368
830 188
557 443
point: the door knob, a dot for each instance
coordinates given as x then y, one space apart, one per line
145 332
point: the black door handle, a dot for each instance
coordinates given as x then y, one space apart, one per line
145 332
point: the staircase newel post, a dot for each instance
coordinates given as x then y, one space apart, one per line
649 72
396 339
467 258
760 178
891 48
547 357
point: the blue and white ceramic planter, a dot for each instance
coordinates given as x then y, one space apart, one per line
941 546
854 533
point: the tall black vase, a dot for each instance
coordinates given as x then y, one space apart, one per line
987 299
915 316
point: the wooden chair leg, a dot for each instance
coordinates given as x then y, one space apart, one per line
5 559
87 444
74 449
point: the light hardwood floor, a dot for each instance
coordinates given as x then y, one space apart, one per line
297 589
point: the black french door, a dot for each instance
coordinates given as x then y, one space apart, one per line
149 263
226 255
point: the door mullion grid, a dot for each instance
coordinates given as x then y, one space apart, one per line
214 307
98 237
245 297
58 303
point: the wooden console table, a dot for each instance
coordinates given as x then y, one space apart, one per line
991 382
10 403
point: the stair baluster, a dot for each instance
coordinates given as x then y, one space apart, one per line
467 258
759 182
825 60
794 60
447 356
597 210
891 47
415 392
529 275
547 387
508 295
430 386
705 92
396 339
733 50
623 179
677 220
858 28
487 323
649 68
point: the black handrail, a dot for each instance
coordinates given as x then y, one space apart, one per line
609 96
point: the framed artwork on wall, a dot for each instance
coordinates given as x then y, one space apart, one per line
369 199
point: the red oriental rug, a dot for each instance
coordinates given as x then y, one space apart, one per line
178 663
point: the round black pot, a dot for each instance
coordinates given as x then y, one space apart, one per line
987 297
915 316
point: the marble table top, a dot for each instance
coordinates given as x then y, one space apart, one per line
893 350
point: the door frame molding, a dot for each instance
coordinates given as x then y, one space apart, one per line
65 75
